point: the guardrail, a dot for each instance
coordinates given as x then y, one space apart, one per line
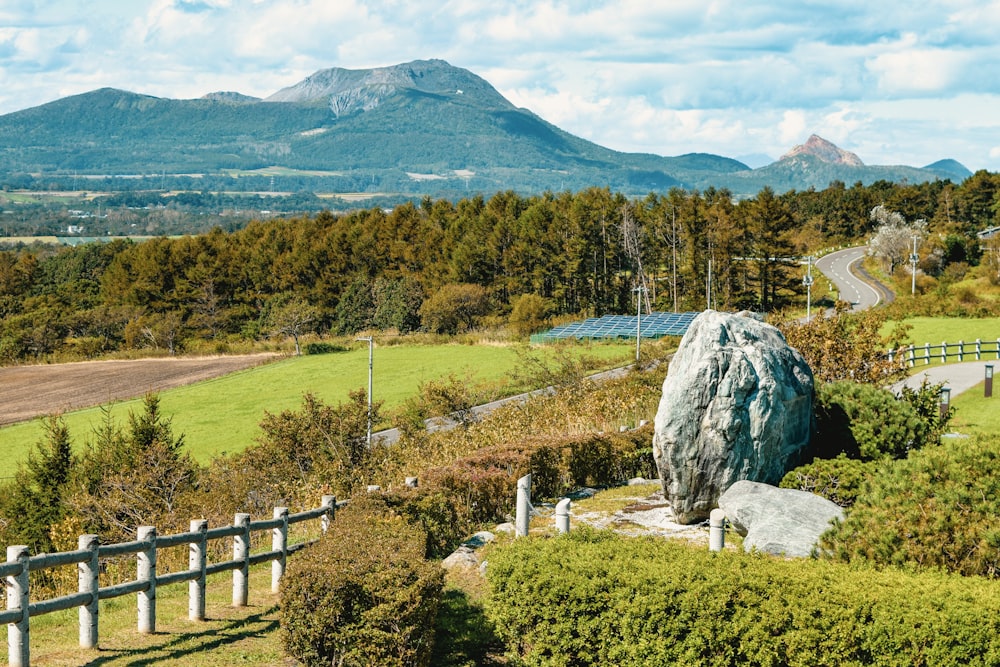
87 557
961 350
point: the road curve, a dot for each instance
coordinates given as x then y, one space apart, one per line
841 267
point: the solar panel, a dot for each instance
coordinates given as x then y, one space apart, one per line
653 325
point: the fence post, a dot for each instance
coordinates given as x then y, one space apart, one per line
562 515
279 543
944 352
979 349
241 553
892 355
330 503
927 354
961 349
18 644
196 562
86 577
912 362
146 571
998 348
522 516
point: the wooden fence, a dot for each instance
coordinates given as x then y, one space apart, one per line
961 351
87 557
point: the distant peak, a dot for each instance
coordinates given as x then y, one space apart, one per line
826 151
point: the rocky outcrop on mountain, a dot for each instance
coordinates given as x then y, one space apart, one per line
348 91
825 151
783 522
736 405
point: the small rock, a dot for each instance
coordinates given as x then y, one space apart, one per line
638 481
462 557
480 539
507 527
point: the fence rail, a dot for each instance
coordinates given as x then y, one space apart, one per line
961 351
87 556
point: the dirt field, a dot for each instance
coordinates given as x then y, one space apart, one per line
29 391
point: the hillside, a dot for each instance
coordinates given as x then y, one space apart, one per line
423 127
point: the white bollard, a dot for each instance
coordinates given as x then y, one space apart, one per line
562 515
522 516
717 530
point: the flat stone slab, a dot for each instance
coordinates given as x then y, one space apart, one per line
783 522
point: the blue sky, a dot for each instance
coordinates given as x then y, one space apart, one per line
895 82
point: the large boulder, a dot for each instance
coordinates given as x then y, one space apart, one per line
783 522
736 404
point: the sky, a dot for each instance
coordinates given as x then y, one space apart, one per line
894 82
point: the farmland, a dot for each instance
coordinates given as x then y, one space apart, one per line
220 414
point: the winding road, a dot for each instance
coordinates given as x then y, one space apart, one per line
854 284
862 291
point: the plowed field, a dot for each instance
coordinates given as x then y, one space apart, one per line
29 391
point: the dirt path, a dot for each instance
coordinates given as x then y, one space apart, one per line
29 391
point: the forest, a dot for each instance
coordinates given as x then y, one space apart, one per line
441 266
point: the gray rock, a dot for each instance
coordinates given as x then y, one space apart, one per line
462 557
784 522
736 404
506 527
480 539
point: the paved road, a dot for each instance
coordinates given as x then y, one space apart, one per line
391 436
855 285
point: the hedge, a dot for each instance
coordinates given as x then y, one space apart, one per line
483 485
363 595
594 598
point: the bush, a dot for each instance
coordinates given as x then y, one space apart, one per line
594 598
839 480
324 348
363 595
935 509
866 422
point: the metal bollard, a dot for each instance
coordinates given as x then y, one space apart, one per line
562 515
522 516
717 530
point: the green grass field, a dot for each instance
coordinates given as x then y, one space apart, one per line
976 414
222 415
934 330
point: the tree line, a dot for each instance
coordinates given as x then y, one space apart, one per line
444 267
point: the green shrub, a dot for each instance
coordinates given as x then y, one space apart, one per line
936 509
839 480
866 422
324 348
363 595
594 598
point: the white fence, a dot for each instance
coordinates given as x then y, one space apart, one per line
87 557
960 351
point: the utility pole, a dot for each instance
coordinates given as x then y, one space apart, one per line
808 282
638 318
371 343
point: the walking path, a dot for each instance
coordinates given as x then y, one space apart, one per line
957 377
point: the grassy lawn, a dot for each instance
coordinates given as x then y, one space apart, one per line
934 330
228 636
222 415
976 414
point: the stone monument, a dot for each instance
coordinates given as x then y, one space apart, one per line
736 404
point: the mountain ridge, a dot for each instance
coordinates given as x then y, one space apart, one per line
387 129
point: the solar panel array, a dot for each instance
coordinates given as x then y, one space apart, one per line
653 325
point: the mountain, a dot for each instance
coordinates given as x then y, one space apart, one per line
423 127
825 151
